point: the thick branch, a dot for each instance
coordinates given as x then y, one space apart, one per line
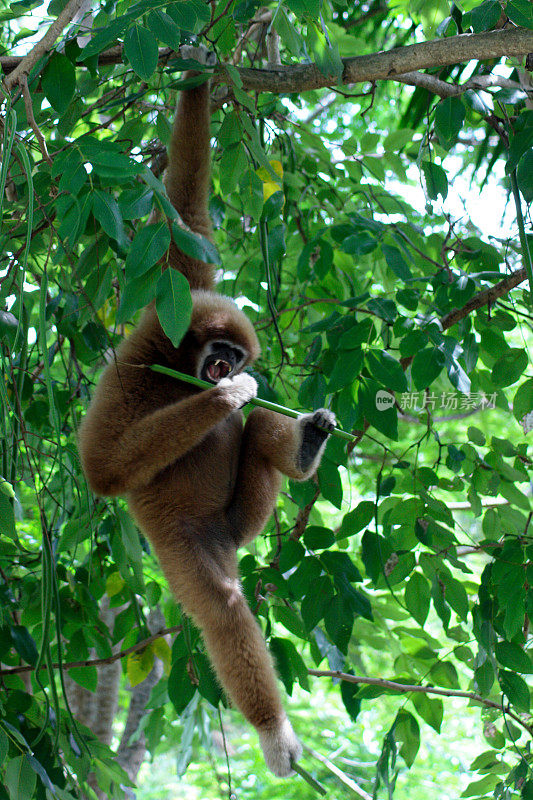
386 65
376 66
409 688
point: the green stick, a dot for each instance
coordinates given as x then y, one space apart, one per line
256 401
309 779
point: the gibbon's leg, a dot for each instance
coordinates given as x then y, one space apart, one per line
151 443
273 444
206 584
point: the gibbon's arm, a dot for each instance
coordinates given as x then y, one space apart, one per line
155 441
187 178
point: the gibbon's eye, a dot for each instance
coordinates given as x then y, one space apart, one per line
221 362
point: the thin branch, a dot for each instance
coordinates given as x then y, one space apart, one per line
416 688
339 773
487 296
28 61
385 65
444 89
97 662
23 80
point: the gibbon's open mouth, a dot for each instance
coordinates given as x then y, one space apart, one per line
218 369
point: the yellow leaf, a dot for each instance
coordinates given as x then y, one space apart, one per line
269 184
265 175
139 665
162 650
114 584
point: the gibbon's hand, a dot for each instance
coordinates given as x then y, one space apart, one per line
315 429
280 746
239 390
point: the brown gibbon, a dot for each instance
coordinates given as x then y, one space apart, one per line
198 482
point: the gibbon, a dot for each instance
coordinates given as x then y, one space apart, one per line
198 483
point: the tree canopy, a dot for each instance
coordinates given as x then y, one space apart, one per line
371 187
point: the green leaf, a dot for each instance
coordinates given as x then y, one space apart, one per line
137 294
251 194
4 746
509 367
173 304
485 16
449 117
104 37
107 212
407 731
396 262
24 644
180 688
431 709
435 180
383 308
20 778
317 538
345 370
417 597
330 482
354 521
520 12
58 82
140 46
427 366
149 245
385 369
233 163
7 517
338 619
512 656
524 175
523 399
85 676
195 245
164 27
515 688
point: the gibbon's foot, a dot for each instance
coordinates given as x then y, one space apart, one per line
316 428
239 390
280 747
198 53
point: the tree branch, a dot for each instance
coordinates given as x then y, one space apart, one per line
27 63
96 662
487 296
385 65
408 688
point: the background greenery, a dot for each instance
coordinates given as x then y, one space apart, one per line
339 223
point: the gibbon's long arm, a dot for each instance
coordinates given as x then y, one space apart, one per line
187 178
132 459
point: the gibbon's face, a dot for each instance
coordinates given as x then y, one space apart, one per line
220 359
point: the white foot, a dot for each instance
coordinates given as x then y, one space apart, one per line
280 747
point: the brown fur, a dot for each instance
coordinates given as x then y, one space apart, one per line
197 482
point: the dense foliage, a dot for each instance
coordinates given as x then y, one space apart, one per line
339 225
